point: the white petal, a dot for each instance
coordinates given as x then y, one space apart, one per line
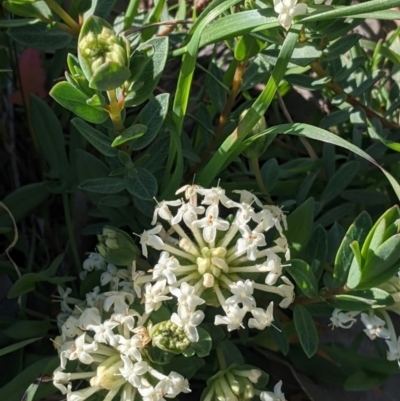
299 9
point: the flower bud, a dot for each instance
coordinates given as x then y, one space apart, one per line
169 337
116 246
208 280
103 56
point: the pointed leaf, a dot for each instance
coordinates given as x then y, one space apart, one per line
306 330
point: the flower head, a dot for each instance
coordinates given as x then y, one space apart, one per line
287 9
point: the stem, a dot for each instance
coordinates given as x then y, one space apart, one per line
131 13
390 326
221 358
223 119
256 169
288 117
186 279
68 220
178 252
115 112
64 16
349 99
219 295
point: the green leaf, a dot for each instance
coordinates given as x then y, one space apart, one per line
367 83
100 141
247 47
335 118
363 300
38 9
309 131
40 37
152 116
133 132
106 185
22 329
30 392
109 76
304 277
390 144
349 68
202 348
14 347
358 231
306 330
280 337
237 24
152 73
384 263
356 10
143 185
316 251
114 201
300 223
9 23
270 173
23 201
100 8
50 137
341 46
364 380
74 100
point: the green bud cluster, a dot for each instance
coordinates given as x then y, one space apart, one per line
101 48
169 337
233 385
116 246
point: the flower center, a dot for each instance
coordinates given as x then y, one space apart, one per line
212 261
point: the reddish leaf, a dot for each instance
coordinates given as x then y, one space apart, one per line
32 75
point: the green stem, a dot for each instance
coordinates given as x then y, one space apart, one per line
64 16
131 13
221 358
115 112
257 173
68 220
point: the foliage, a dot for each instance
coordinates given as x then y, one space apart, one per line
147 99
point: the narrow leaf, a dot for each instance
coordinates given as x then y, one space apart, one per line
306 330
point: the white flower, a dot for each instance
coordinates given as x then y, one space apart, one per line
178 384
149 238
70 328
188 213
211 223
65 299
190 192
185 296
319 1
393 353
272 265
118 299
89 316
374 327
278 216
94 296
242 293
104 332
188 320
251 241
94 261
163 211
244 214
109 275
282 246
233 319
81 350
277 395
265 220
343 319
131 372
129 346
287 9
154 295
165 267
59 379
287 292
213 196
246 196
126 317
262 318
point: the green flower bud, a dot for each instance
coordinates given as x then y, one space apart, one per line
258 147
116 246
169 337
233 384
103 56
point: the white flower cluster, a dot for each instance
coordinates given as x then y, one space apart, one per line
110 341
215 260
